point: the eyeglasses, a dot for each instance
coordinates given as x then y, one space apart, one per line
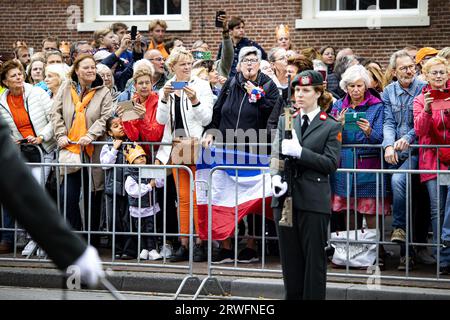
281 58
251 61
159 59
86 51
435 73
405 68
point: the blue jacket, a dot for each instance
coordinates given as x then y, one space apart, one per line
367 158
398 113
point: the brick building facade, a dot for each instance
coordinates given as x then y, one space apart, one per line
33 20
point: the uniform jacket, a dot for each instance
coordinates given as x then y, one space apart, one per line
319 158
423 124
194 118
38 105
97 112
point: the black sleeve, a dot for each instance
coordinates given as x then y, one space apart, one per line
272 122
33 209
217 109
110 60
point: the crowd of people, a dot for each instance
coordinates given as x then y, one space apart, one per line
71 94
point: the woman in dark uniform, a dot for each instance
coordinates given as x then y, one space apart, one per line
314 153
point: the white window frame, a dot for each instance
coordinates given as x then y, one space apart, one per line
93 21
312 18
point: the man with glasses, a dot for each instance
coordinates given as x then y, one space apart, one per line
79 48
399 134
236 29
160 76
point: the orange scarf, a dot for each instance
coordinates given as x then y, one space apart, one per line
79 128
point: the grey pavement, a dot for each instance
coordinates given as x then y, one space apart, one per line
22 283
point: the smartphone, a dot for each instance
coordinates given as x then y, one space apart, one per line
133 32
351 118
23 141
201 55
441 94
179 85
219 24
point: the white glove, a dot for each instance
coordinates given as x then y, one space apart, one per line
276 183
90 267
291 147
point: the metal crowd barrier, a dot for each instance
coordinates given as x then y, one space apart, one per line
380 176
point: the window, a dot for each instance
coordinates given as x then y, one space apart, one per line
101 13
363 13
139 7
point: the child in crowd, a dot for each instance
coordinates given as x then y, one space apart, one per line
113 154
142 201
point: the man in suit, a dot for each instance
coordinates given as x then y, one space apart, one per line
314 154
26 201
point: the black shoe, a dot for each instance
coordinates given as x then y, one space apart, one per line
117 256
248 255
444 270
402 264
127 257
445 243
182 254
221 255
199 253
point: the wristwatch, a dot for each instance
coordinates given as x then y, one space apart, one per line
42 137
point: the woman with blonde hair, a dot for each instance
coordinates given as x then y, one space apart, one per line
185 108
432 126
378 81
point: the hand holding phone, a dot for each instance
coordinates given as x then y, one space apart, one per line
441 94
133 33
179 85
219 23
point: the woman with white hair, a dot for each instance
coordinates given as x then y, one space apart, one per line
185 108
108 79
55 75
367 109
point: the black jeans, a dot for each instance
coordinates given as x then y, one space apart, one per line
123 243
76 182
147 226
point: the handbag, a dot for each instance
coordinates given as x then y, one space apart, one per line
68 157
360 255
31 153
185 150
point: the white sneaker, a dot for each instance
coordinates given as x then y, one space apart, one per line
154 255
166 251
41 253
29 248
144 254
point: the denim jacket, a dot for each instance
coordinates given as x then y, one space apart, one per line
398 112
